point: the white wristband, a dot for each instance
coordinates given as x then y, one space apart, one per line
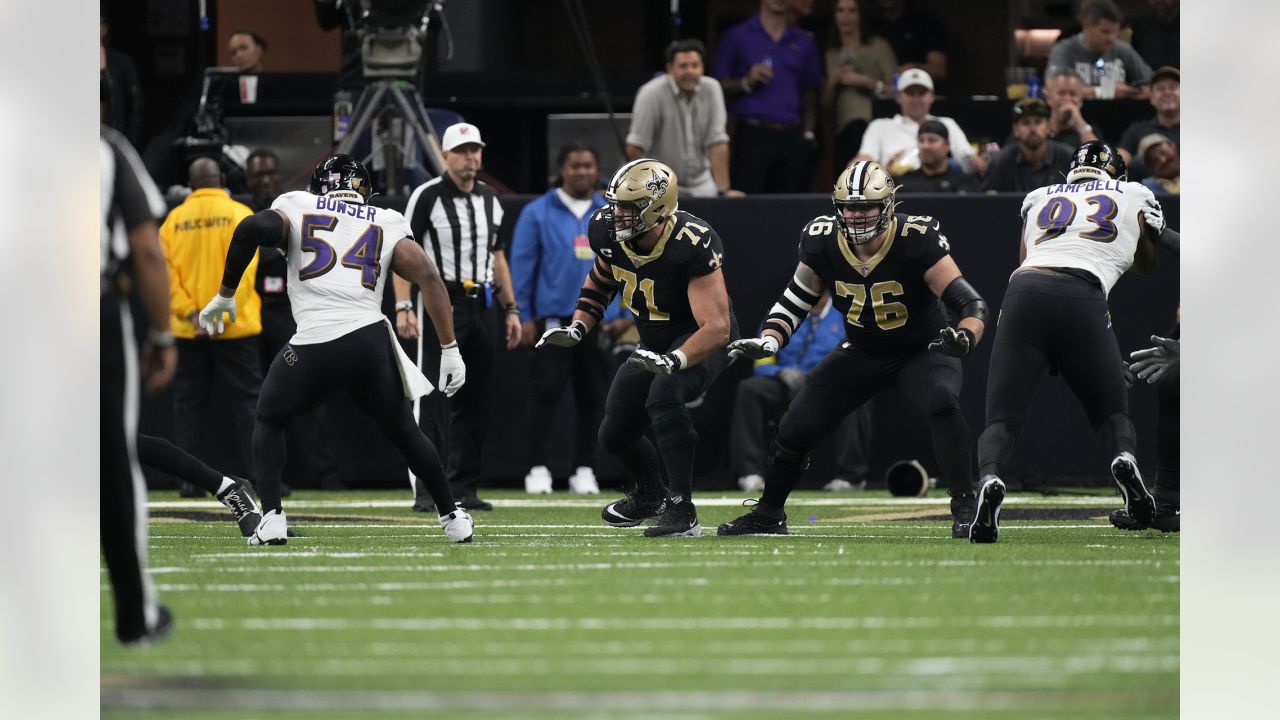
681 360
404 305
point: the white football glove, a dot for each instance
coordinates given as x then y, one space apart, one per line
951 342
211 315
753 348
656 363
453 372
1153 214
567 336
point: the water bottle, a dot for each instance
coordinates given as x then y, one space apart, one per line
1106 81
341 115
1033 86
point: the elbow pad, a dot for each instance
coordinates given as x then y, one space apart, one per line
961 299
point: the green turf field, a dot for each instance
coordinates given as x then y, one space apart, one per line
868 609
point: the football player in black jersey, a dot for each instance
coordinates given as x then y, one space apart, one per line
666 264
886 272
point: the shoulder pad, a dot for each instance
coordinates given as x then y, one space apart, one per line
817 233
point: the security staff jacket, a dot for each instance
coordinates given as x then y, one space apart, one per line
195 237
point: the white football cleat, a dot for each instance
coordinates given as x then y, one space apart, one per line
457 525
538 481
273 530
583 482
751 483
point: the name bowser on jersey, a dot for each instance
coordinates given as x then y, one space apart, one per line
337 247
1078 238
889 273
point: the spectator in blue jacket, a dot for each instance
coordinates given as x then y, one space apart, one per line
550 256
764 397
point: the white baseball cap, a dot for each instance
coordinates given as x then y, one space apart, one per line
460 134
914 76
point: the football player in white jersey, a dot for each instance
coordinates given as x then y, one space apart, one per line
1078 238
337 247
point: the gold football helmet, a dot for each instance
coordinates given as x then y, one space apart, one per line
641 195
864 186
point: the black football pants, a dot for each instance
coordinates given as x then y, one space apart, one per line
844 381
311 461
1053 319
639 399
123 508
363 363
236 367
761 401
166 457
458 424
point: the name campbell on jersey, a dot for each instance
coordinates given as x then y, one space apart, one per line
339 255
1091 226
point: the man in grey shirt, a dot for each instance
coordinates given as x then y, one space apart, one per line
679 118
1110 68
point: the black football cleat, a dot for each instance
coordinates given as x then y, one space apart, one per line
242 507
163 626
1138 503
986 521
963 508
1168 518
632 510
473 502
679 520
762 520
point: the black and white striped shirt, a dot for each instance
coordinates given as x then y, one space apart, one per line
459 230
129 198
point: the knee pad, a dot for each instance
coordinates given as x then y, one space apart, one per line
785 456
672 425
941 400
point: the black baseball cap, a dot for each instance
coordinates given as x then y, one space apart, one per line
934 127
1030 107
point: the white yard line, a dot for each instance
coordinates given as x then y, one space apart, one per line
1055 501
661 624
683 702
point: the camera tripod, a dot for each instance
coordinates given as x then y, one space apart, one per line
389 101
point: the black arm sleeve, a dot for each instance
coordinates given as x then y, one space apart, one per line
1170 240
265 229
961 299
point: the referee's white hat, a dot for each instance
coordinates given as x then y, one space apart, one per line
460 134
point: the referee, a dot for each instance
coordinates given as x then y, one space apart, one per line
129 241
457 217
